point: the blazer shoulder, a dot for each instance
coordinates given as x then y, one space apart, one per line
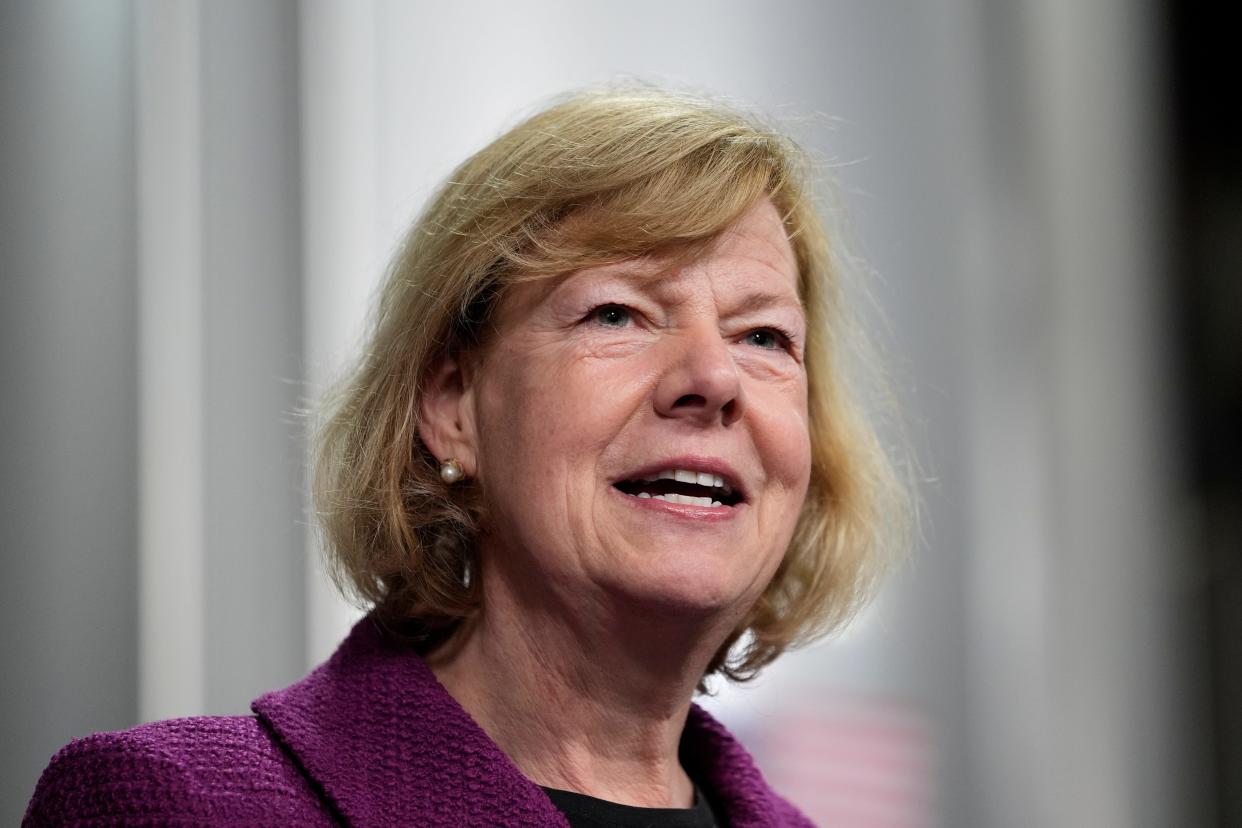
786 814
207 770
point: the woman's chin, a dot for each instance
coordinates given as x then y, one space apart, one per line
687 593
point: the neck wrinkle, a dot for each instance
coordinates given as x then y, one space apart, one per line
576 706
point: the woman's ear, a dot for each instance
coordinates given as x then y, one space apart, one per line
446 415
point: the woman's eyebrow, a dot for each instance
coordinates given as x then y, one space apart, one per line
768 298
648 280
644 279
755 300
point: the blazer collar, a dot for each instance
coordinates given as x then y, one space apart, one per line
388 745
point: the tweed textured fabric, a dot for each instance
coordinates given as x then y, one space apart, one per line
370 738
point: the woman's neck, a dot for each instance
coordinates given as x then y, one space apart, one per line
593 703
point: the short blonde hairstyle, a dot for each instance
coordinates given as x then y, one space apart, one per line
639 171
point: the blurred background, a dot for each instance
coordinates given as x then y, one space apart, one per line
197 200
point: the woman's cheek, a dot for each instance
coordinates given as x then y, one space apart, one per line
773 367
783 429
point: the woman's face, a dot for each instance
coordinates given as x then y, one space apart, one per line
601 385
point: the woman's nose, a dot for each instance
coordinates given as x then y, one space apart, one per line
701 381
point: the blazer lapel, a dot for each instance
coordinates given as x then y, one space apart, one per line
389 746
727 773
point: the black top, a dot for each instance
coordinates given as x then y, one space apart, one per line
588 812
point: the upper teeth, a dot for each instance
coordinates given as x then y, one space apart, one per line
687 476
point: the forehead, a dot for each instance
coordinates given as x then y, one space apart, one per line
754 249
753 253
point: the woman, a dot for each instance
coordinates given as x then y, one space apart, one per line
599 449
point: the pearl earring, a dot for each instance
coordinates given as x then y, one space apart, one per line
451 471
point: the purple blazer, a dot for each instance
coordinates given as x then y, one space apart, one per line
370 738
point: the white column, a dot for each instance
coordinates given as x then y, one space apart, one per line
1114 665
342 262
172 650
220 306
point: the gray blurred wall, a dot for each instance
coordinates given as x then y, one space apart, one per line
68 382
198 196
150 368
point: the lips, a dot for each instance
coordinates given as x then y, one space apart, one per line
692 481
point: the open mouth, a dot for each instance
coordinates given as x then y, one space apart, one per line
682 486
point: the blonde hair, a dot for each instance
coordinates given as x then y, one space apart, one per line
601 176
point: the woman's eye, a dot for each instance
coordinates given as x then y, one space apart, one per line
611 316
766 338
